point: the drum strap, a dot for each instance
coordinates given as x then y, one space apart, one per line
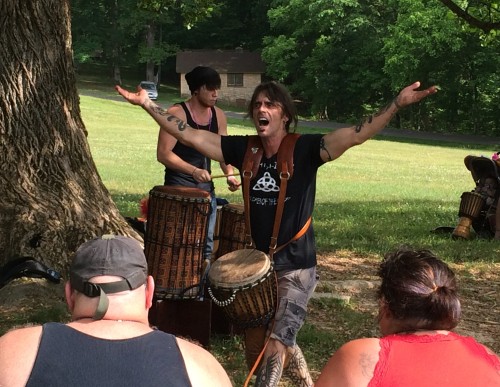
251 163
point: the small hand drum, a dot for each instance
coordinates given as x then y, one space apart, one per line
471 204
243 283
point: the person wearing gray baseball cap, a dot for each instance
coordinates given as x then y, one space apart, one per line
109 341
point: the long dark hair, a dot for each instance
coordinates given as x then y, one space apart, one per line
419 289
279 94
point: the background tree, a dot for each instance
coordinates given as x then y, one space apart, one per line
52 198
118 33
345 58
481 14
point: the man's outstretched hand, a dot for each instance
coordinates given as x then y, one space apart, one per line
138 98
410 94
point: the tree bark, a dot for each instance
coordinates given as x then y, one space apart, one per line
51 196
150 42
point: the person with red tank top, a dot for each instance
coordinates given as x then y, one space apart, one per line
418 308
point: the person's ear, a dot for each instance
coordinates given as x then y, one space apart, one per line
68 293
150 290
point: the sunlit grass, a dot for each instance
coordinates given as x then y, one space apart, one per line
378 195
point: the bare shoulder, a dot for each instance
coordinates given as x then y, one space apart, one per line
352 364
203 368
21 336
221 120
219 112
178 111
18 349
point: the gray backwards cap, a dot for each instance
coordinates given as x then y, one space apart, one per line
113 255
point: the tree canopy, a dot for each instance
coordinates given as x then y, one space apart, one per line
340 58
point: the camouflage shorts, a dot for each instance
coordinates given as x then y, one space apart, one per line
295 288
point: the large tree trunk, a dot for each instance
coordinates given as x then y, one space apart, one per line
150 42
51 196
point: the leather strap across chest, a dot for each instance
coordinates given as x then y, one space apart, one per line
251 163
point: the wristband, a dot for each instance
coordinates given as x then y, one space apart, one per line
194 170
398 106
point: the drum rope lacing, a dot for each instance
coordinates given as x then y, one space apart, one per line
234 291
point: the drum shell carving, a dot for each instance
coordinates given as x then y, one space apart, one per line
175 238
471 204
232 229
244 284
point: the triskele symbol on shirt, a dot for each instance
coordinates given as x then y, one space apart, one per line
266 183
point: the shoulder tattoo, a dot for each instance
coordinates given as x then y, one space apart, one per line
367 362
322 146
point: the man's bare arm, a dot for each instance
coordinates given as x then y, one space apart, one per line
335 143
205 142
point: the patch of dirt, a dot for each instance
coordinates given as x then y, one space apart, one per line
479 289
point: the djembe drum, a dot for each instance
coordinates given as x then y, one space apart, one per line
471 204
243 283
232 229
175 237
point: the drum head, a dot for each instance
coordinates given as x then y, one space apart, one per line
239 268
234 207
183 192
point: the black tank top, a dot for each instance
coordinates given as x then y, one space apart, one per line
192 156
67 357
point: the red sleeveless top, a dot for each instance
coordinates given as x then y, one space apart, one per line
434 360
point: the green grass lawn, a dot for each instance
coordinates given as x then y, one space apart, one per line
378 195
381 194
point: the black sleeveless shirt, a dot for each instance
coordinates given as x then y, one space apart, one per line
192 156
67 357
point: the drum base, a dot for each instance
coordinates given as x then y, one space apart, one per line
190 319
462 231
221 325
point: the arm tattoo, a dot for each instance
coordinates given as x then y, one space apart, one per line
270 372
297 369
323 147
181 125
370 117
385 109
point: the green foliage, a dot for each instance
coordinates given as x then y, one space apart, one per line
116 33
156 54
342 59
346 58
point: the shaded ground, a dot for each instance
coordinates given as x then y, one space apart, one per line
479 286
32 301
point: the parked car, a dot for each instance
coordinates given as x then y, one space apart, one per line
150 87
